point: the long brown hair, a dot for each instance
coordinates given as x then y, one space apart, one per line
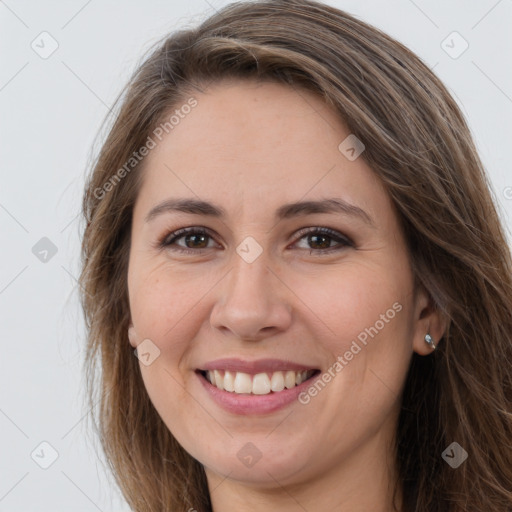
418 143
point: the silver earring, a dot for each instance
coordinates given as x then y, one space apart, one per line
429 341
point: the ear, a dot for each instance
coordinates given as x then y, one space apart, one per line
427 320
132 336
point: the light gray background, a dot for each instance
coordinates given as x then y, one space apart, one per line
50 111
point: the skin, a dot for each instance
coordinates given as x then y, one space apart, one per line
251 147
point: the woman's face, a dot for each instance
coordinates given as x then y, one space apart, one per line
263 293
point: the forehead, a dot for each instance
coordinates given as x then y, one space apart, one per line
260 143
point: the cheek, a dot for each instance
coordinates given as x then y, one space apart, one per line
364 323
162 310
356 302
162 303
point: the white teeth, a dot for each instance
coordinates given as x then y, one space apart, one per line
219 380
259 384
229 381
243 383
277 381
289 379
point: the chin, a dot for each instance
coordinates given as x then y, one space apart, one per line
258 467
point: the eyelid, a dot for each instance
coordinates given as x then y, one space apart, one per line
332 233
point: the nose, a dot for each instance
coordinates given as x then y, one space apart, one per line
252 302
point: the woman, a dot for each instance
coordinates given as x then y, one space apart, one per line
290 227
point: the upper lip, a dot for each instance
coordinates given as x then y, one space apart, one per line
254 367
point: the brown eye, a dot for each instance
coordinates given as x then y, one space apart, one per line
319 240
187 240
195 241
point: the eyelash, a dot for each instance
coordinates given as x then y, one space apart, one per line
168 240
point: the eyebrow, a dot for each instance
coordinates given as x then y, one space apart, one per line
286 211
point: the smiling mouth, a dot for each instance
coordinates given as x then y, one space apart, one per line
258 384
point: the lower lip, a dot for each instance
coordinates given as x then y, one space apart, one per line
254 404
